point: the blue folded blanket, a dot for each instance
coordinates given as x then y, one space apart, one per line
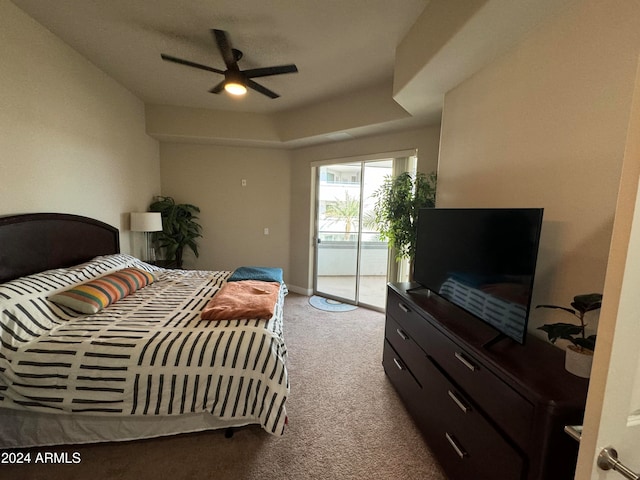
264 274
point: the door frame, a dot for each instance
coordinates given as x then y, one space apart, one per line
362 159
618 332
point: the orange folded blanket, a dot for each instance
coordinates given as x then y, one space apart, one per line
243 299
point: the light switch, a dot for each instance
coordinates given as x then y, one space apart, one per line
244 182
266 230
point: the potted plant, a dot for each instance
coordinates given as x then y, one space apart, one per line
579 353
398 201
179 228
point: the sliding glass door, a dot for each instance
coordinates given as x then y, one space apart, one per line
351 260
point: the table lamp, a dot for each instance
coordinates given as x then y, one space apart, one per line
146 222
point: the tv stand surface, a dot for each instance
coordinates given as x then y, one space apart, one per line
498 338
488 409
420 290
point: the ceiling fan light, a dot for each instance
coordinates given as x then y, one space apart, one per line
235 88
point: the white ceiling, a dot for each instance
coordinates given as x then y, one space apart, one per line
416 50
338 45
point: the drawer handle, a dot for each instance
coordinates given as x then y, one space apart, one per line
403 307
465 361
461 405
398 364
454 443
402 334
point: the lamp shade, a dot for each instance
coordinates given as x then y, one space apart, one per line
146 222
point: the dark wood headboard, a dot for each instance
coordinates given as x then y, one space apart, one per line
35 242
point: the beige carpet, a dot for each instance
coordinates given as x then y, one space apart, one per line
345 421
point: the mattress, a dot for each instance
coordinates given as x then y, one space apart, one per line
149 355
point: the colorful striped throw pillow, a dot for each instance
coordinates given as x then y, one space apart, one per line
93 296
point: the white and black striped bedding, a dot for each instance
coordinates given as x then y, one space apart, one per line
149 354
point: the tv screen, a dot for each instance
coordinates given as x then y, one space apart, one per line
482 260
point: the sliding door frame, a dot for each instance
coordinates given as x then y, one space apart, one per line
402 160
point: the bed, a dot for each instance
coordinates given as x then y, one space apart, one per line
148 364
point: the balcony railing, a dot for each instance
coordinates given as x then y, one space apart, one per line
339 257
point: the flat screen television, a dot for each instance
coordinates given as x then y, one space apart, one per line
483 260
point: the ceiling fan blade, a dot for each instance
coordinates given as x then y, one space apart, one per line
188 63
224 45
218 88
259 88
268 71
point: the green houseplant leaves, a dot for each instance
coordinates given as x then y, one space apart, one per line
179 228
398 201
568 331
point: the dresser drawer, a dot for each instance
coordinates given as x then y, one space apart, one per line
484 388
487 411
468 445
406 385
411 354
468 373
406 316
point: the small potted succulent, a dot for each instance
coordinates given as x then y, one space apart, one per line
579 353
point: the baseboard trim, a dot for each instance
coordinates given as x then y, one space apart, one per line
302 291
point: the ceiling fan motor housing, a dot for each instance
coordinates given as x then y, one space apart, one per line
235 81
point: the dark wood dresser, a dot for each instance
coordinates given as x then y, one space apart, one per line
493 411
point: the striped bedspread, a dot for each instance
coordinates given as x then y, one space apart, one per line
148 354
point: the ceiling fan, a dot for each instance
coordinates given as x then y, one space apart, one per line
235 80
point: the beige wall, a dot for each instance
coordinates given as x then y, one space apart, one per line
277 196
425 140
72 139
233 217
545 126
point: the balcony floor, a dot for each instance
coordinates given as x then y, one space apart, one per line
373 288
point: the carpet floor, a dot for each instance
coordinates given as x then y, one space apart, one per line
345 421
